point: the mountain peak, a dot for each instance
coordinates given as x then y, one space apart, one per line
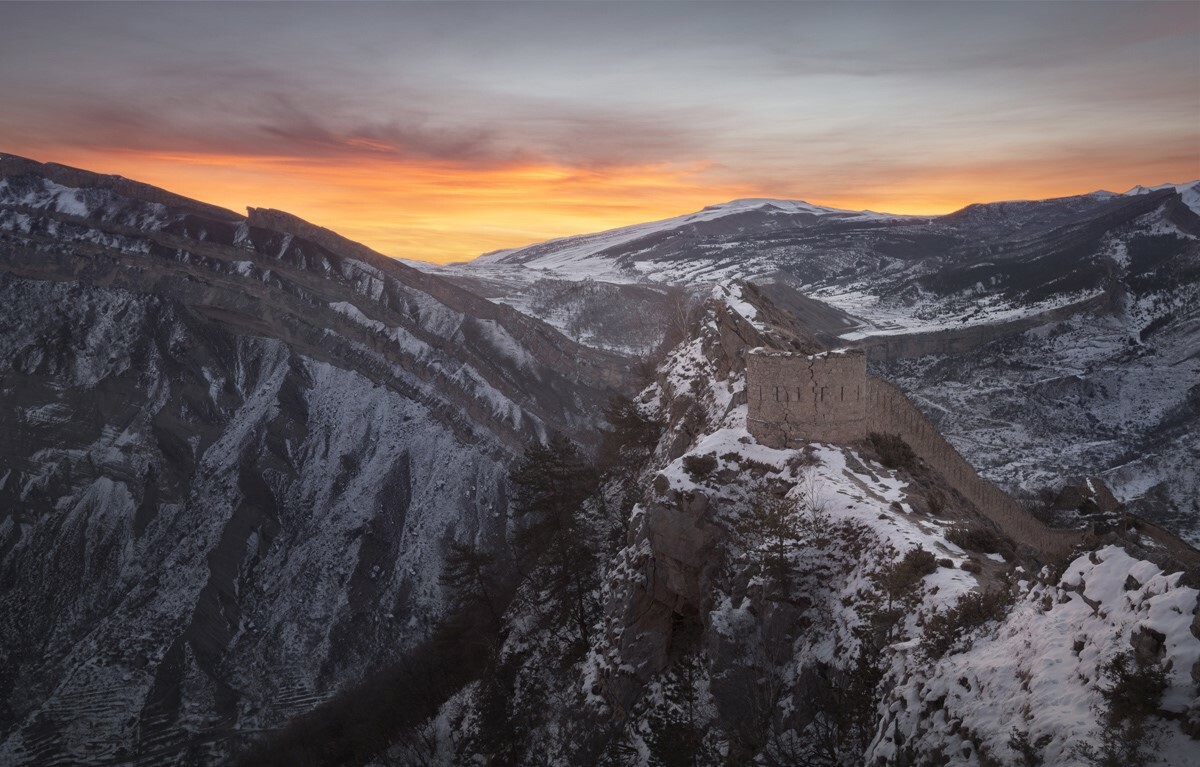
782 206
1139 189
12 165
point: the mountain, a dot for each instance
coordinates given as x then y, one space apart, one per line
236 450
1190 192
731 218
1046 338
815 604
268 497
1027 251
618 290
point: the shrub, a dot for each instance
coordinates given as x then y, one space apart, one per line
803 459
984 540
946 629
897 584
937 503
757 467
1134 690
915 565
699 466
1030 752
893 451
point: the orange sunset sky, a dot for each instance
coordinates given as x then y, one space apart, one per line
442 131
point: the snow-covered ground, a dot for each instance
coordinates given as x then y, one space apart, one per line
1039 671
1100 382
1034 667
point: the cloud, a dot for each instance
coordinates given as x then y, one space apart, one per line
489 118
590 86
298 120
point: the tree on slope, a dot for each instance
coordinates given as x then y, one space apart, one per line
1134 690
770 534
471 576
555 545
631 435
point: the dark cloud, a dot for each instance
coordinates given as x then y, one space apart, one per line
745 85
266 112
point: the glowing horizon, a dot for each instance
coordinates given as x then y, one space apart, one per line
442 131
468 213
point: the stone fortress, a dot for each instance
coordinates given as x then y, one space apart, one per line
795 399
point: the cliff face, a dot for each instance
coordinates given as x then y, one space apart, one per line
235 450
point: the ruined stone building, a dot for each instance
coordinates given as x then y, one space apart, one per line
796 399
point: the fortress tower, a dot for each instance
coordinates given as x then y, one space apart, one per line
795 399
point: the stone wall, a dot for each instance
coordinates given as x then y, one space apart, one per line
891 412
795 399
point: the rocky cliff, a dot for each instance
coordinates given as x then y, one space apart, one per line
235 450
813 604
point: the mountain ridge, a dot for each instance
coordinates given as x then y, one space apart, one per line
241 446
237 449
993 290
732 207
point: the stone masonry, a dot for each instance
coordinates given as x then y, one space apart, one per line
797 399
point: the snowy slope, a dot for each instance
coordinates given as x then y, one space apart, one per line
1039 669
235 450
583 255
986 263
1189 191
699 656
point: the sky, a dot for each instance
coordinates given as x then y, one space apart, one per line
443 130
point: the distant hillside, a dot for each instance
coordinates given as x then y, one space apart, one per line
1046 337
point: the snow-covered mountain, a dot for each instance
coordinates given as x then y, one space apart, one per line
578 254
886 269
1189 191
241 454
1046 337
235 451
817 606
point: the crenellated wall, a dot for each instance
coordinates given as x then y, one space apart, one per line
797 399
